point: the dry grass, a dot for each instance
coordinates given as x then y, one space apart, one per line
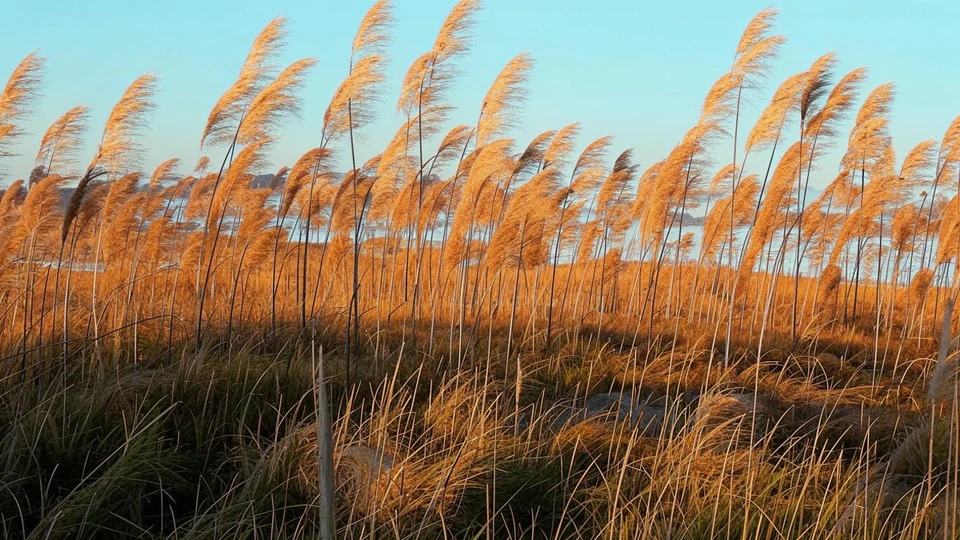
511 340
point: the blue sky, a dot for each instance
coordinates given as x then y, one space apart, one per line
632 69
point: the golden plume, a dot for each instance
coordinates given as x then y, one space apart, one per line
588 172
756 30
225 117
201 166
613 207
435 198
372 34
869 133
949 232
351 104
453 145
755 50
351 198
165 172
279 178
237 179
59 143
561 146
722 182
822 223
903 228
680 177
518 240
716 225
920 285
119 192
645 188
950 144
12 197
491 162
429 76
426 123
769 125
301 174
885 191
753 64
839 102
40 207
118 147
18 96
276 101
506 94
778 197
829 283
533 156
819 79
199 199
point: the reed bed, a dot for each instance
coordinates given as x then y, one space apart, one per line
470 336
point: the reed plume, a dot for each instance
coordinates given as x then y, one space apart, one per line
756 34
561 146
613 205
903 228
717 224
300 175
491 162
870 129
18 97
118 147
350 107
518 240
59 143
949 233
428 78
779 196
163 174
868 149
816 87
823 221
39 211
769 126
680 177
227 114
588 173
529 162
506 94
372 34
829 283
201 166
885 192
823 124
236 180
920 285
12 198
277 101
343 220
119 192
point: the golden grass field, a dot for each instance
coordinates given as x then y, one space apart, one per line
470 336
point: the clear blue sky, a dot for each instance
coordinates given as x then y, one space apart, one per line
632 69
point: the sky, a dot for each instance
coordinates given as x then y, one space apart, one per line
633 69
